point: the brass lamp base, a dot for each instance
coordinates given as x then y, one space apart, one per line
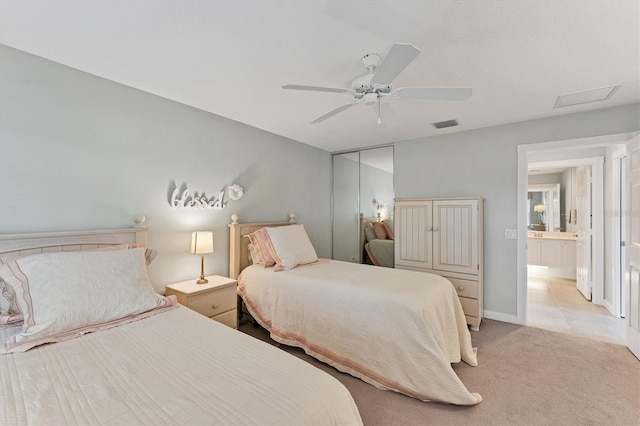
202 279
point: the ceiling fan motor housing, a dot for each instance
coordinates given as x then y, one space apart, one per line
364 85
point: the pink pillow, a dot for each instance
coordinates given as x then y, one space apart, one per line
9 315
9 311
381 231
255 251
388 230
263 247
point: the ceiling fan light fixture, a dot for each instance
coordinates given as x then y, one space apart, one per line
371 98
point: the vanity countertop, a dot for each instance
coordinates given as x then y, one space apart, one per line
553 235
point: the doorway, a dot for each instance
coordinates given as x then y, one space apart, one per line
574 153
559 270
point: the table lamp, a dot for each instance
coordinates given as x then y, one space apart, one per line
201 243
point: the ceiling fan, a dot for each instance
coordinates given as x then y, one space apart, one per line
372 87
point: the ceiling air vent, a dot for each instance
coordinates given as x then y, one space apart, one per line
444 124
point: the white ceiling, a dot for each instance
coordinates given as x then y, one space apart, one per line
232 57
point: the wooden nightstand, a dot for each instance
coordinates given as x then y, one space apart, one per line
217 299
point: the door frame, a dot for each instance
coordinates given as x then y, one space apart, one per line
524 152
617 306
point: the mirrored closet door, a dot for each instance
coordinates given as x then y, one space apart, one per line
362 192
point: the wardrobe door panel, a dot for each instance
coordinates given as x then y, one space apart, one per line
455 236
413 238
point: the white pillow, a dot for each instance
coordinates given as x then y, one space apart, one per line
63 295
292 246
9 312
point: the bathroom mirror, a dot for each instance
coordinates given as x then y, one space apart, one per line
544 207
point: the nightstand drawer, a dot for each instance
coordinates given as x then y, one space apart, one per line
214 302
229 318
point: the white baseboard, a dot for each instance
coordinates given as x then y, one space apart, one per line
499 316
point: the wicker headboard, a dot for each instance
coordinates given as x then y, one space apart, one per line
239 244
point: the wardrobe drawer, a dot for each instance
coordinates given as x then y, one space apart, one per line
469 306
465 288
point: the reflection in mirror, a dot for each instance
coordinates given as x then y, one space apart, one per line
346 218
544 207
362 191
376 182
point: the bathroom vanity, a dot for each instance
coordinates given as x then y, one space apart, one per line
554 253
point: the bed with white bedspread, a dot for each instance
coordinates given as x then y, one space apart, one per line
395 329
165 365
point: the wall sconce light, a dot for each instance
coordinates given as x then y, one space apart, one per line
380 207
202 243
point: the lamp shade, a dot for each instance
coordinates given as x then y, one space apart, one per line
202 242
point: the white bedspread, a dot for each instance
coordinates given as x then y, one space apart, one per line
398 330
176 367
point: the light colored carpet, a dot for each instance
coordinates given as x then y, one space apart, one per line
526 376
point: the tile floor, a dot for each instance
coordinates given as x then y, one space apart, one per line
556 304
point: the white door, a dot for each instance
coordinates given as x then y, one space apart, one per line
632 323
583 229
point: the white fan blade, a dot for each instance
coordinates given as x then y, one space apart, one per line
315 88
399 57
332 113
438 93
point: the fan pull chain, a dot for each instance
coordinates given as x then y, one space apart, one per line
379 120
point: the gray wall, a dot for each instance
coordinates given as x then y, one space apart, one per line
81 152
484 162
545 178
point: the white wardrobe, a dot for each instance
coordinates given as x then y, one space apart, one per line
443 236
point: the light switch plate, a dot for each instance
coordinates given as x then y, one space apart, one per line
510 234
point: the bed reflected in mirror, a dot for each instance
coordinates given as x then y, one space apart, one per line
377 241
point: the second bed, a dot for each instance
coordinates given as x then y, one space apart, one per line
395 329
